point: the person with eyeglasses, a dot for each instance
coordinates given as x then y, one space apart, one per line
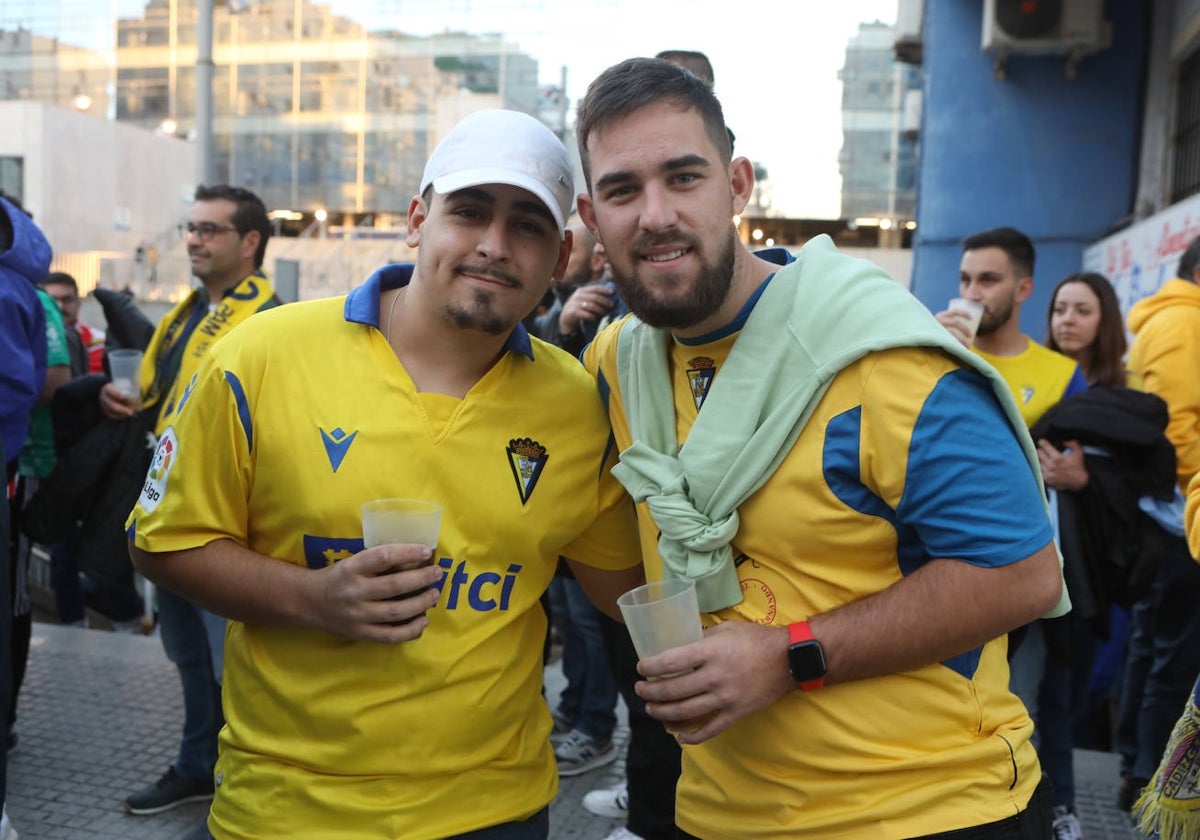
226 234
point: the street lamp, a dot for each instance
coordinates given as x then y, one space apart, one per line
206 169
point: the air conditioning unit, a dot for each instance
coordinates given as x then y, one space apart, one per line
1045 27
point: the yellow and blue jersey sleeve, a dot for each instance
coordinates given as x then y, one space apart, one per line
960 449
196 488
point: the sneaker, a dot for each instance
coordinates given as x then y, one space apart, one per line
562 728
7 832
169 791
610 802
623 833
1066 825
578 754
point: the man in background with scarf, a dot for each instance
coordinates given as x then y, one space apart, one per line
226 234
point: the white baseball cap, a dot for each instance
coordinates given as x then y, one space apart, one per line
504 147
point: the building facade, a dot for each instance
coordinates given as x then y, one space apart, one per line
312 110
878 156
1072 135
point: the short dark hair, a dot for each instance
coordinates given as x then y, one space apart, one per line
637 83
1187 263
1107 365
693 60
61 278
1009 240
251 213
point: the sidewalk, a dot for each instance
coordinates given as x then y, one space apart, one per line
99 718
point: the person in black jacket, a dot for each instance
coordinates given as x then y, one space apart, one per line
1102 452
97 478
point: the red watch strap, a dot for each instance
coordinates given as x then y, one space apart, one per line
801 632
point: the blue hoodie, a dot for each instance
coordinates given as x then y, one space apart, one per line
22 327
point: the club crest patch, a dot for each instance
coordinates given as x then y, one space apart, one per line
700 373
161 465
527 458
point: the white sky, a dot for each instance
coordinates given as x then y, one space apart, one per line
776 64
776 61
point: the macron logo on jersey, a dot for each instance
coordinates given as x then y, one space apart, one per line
1027 394
527 458
337 444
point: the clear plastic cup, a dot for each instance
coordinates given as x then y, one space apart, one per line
974 309
661 615
126 367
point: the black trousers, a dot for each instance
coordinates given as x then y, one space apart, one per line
652 762
1031 824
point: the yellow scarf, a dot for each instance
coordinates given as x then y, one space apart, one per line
1169 807
252 294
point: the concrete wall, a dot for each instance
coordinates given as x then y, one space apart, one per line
1053 156
96 185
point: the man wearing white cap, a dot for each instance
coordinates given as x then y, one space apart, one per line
394 691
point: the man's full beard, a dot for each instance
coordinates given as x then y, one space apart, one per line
708 292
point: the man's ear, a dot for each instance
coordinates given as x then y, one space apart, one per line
250 243
741 183
1024 289
587 214
564 256
418 212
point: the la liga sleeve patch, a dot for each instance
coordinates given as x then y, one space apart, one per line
165 457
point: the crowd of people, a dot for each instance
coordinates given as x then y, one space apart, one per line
881 507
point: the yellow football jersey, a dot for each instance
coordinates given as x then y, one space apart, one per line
887 473
1038 377
294 420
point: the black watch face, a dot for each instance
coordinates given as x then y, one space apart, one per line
807 661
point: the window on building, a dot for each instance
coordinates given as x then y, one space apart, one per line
12 177
1185 175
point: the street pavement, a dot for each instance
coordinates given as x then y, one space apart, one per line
99 718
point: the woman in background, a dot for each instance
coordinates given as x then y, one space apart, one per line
1101 484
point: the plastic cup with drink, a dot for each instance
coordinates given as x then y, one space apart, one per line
660 616
404 521
973 310
126 366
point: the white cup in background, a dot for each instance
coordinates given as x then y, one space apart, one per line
974 309
126 366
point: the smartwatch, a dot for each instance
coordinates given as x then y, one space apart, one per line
806 657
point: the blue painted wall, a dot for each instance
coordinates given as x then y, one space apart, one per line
1054 157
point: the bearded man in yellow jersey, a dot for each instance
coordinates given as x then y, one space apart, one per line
394 692
997 270
804 441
